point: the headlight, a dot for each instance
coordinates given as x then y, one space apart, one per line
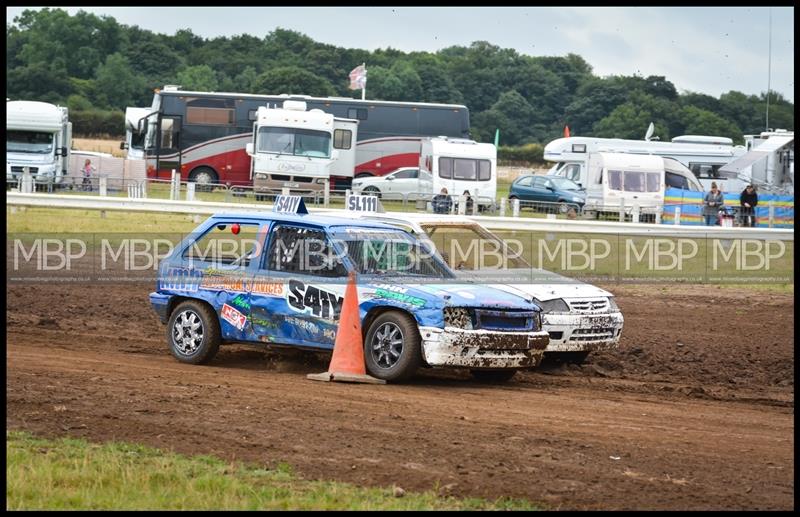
557 305
612 305
261 176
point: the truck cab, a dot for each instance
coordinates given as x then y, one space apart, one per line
38 140
298 149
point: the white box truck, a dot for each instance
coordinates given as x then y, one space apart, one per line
460 165
38 140
300 150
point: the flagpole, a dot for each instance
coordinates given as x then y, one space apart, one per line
364 89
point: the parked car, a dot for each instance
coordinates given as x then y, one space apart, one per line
549 189
407 181
282 281
579 317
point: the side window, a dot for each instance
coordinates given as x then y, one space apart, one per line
525 182
653 182
615 180
537 182
226 244
357 113
484 170
445 168
169 133
342 139
573 172
306 251
209 111
673 180
406 174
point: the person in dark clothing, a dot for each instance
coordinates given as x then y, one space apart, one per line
442 202
748 200
469 201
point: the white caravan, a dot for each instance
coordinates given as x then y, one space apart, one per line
38 138
459 165
300 150
703 155
622 180
135 132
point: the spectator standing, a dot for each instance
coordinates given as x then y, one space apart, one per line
748 201
712 202
441 202
88 171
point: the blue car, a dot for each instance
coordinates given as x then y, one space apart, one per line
280 279
551 189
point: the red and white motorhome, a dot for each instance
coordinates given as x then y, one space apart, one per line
203 134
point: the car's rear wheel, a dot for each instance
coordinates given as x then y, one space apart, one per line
193 332
372 191
392 348
205 178
493 375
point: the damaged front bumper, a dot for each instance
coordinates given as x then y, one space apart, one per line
482 348
582 333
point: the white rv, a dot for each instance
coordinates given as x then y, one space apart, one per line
769 163
38 139
135 132
622 180
459 165
703 155
299 150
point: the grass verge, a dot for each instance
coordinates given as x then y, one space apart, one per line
74 474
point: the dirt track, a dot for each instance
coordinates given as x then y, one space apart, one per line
696 409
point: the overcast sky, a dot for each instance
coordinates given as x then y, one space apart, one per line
704 49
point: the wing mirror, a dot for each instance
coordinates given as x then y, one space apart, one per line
249 148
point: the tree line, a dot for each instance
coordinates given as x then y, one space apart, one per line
97 66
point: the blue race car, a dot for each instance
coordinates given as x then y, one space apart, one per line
280 278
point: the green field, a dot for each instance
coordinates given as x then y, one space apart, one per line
70 474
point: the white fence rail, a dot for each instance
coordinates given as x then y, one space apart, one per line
490 222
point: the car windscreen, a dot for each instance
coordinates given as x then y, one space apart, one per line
389 252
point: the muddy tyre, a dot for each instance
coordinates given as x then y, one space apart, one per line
392 348
493 376
193 332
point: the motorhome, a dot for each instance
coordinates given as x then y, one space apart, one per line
459 165
703 155
300 149
38 140
135 131
624 181
768 163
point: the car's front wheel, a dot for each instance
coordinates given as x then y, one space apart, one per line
193 332
392 348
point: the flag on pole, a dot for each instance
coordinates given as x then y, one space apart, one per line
358 77
497 137
566 131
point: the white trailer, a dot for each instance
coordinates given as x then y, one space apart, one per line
300 150
135 131
703 155
461 165
38 140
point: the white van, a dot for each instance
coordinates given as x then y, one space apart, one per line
459 165
134 132
624 180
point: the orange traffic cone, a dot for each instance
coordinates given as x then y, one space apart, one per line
347 363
